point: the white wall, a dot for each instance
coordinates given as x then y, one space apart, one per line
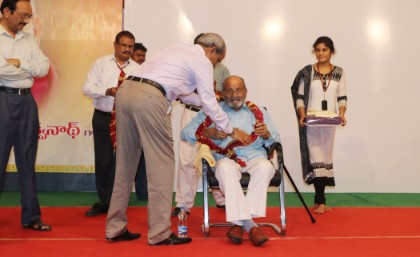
377 43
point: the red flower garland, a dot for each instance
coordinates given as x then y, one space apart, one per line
229 149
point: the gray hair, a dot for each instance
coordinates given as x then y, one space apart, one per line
213 40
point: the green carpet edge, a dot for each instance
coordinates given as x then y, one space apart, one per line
292 199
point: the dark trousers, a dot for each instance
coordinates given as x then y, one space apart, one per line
319 192
19 126
105 161
141 180
104 156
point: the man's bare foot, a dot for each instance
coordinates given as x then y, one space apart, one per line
320 209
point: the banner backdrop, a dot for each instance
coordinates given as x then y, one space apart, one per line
269 41
73 34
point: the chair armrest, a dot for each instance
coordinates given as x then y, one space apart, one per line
275 154
278 148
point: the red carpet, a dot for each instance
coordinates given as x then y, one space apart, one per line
342 232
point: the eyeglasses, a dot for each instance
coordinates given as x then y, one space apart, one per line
236 91
126 46
24 16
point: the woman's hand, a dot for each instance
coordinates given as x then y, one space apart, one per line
343 120
302 121
302 117
341 111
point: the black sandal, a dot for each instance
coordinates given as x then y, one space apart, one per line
38 226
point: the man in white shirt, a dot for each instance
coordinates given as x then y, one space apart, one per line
139 53
101 85
21 60
187 180
144 124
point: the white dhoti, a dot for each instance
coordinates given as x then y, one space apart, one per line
238 206
188 177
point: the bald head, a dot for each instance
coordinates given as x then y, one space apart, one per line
234 92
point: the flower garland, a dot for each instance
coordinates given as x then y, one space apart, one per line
229 149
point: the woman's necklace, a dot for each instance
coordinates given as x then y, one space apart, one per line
325 86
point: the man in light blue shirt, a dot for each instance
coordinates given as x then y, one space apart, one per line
249 157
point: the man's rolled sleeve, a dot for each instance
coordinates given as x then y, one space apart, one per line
188 133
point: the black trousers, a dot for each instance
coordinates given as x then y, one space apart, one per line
104 156
319 191
105 161
141 180
19 126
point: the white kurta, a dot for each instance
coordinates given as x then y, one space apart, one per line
188 177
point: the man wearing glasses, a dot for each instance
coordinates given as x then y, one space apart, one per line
21 60
250 157
101 85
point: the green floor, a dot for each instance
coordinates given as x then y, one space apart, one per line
292 200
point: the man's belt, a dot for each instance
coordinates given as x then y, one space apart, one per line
149 82
19 91
102 112
192 108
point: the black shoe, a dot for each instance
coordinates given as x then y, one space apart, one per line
174 240
96 209
221 206
126 236
176 210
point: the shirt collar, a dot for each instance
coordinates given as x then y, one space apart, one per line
112 57
227 108
19 34
2 30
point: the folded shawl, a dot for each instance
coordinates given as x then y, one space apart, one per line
305 74
204 152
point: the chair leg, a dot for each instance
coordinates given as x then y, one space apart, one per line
271 225
282 203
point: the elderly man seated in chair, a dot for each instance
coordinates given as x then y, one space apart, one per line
233 158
